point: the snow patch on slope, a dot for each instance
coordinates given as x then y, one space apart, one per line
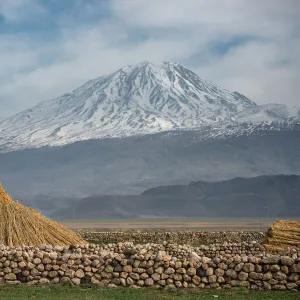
269 113
138 99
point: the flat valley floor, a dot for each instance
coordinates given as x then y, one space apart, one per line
165 224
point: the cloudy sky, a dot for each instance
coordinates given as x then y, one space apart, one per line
48 47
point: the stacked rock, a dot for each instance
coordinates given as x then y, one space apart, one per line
184 237
152 265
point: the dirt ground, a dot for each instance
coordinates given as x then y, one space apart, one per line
245 225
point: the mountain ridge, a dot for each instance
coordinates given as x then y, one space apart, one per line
237 197
140 99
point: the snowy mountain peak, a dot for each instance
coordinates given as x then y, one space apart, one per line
137 99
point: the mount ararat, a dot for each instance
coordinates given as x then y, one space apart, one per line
143 126
140 99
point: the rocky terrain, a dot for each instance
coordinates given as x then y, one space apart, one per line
175 236
153 265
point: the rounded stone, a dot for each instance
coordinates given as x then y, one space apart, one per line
169 271
209 271
79 273
155 276
287 261
134 276
248 267
243 276
10 277
44 281
76 281
149 282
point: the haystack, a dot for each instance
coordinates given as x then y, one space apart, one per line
21 225
283 234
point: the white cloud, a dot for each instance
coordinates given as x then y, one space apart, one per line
17 10
266 72
269 18
265 68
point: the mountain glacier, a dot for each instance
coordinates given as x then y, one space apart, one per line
136 100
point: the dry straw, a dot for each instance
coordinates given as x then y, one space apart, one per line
283 234
21 225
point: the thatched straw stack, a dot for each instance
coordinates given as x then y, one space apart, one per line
21 225
283 234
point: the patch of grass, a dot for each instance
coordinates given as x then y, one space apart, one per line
50 292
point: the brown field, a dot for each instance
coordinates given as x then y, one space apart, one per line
221 224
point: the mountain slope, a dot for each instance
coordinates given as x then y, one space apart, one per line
239 197
270 113
139 99
130 165
140 127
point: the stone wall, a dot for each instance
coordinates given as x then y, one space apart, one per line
159 265
181 237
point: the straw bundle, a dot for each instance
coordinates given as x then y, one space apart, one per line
283 234
21 225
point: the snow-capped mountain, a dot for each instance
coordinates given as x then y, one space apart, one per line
270 113
135 100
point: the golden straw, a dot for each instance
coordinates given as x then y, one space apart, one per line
21 225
